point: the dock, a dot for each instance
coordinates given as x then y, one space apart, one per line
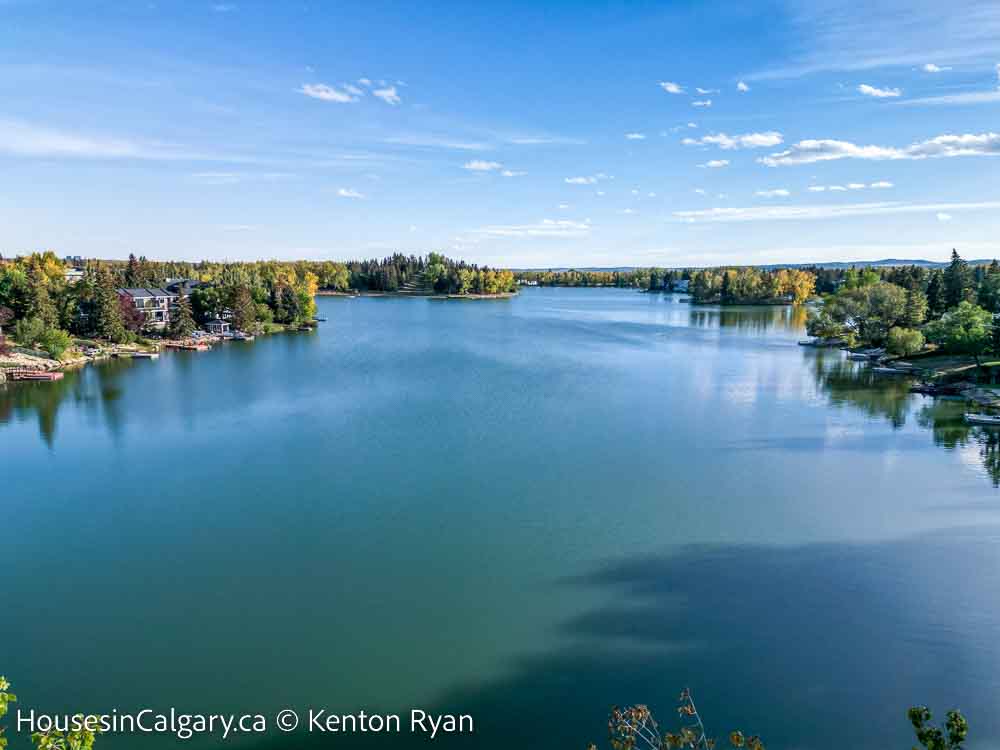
39 375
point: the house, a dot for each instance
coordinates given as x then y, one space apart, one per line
218 327
155 304
681 285
73 275
183 287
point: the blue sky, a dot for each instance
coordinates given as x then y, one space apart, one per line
527 134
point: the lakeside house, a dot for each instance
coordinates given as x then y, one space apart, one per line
73 275
681 285
154 303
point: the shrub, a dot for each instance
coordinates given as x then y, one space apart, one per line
904 341
29 331
55 342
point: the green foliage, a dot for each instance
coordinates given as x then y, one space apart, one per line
29 331
6 698
916 308
182 323
904 341
965 330
55 342
869 311
957 279
931 737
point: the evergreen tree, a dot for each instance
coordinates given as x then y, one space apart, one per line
936 301
108 322
916 308
957 282
132 273
40 304
182 323
244 309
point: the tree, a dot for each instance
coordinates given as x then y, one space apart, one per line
244 310
133 320
108 322
40 304
132 272
965 330
936 301
868 312
182 323
904 341
81 735
957 282
933 738
989 290
916 308
6 315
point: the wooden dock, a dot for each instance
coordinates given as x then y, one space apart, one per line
40 375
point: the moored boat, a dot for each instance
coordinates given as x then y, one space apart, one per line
988 420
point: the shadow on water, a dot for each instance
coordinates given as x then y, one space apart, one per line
96 389
749 319
819 646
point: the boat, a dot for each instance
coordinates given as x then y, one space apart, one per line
858 356
145 355
196 347
320 320
988 420
888 371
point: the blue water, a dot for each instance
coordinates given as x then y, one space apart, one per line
527 510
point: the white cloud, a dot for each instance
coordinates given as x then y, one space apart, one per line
512 173
478 165
810 151
588 180
546 228
692 124
942 216
365 81
700 191
628 211
969 97
819 212
816 188
702 91
671 88
600 192
777 193
878 93
353 89
856 186
223 7
432 141
837 189
932 68
881 185
326 93
702 103
715 163
635 136
387 94
730 142
349 193
564 206
742 87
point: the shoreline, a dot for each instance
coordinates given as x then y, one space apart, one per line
20 358
416 295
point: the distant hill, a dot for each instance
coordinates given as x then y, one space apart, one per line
770 266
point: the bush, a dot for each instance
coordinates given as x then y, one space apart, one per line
55 342
904 341
29 331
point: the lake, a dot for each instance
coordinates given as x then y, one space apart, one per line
525 510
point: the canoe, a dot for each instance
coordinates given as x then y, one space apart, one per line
983 419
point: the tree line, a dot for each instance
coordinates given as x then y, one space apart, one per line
903 307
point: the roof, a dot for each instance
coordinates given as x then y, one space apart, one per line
143 292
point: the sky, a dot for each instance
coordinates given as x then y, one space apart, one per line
520 134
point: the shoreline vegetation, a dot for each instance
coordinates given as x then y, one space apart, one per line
57 313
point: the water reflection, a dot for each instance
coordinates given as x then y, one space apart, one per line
750 319
854 384
96 390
